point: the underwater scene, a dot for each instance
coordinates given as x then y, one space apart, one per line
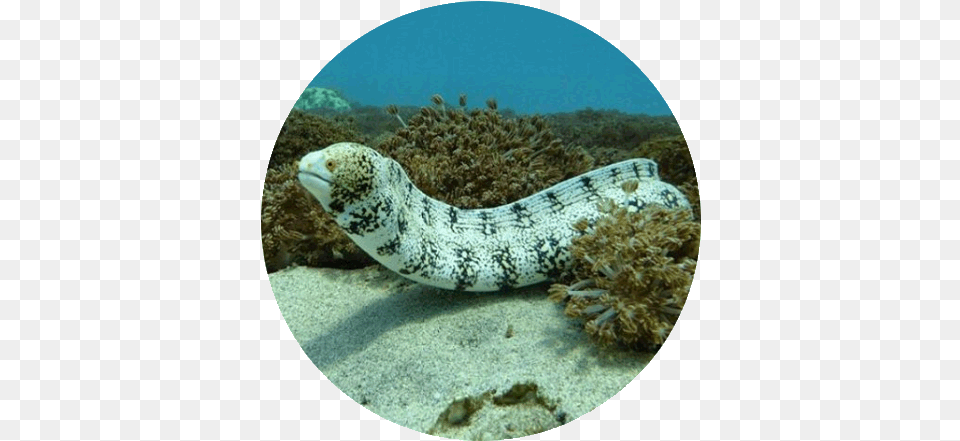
480 221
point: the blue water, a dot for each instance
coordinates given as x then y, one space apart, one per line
530 60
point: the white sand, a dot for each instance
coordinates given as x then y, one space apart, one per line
407 352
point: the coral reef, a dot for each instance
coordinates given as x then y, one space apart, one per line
295 229
672 157
611 136
669 152
371 121
611 129
633 272
478 158
471 158
692 192
320 98
676 166
293 226
303 133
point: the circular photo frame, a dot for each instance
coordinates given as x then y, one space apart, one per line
481 220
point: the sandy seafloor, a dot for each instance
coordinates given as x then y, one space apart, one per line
441 362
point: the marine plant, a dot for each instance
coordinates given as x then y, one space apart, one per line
478 158
613 136
303 132
672 157
611 129
675 164
293 226
631 275
295 229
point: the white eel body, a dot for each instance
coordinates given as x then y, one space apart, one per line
434 243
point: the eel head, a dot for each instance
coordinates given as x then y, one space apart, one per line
340 175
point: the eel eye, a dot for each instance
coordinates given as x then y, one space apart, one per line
331 164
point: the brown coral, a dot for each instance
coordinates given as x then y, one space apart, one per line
304 132
611 136
634 271
295 229
692 192
673 159
611 129
676 166
293 226
480 159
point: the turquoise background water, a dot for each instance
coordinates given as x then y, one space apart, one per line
530 60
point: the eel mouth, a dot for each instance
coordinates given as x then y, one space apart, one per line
309 175
316 184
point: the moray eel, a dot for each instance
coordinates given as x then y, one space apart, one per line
431 242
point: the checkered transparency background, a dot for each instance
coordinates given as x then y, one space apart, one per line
134 139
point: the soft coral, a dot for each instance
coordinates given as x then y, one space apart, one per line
634 269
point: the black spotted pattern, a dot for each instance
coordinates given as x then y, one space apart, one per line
355 187
636 170
587 184
426 212
552 259
555 203
499 248
430 251
509 274
592 193
650 172
366 219
489 229
336 206
452 217
521 214
465 268
413 263
518 209
428 254
401 223
422 261
390 247
669 199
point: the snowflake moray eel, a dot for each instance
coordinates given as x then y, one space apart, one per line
428 241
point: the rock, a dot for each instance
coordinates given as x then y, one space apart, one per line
320 98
